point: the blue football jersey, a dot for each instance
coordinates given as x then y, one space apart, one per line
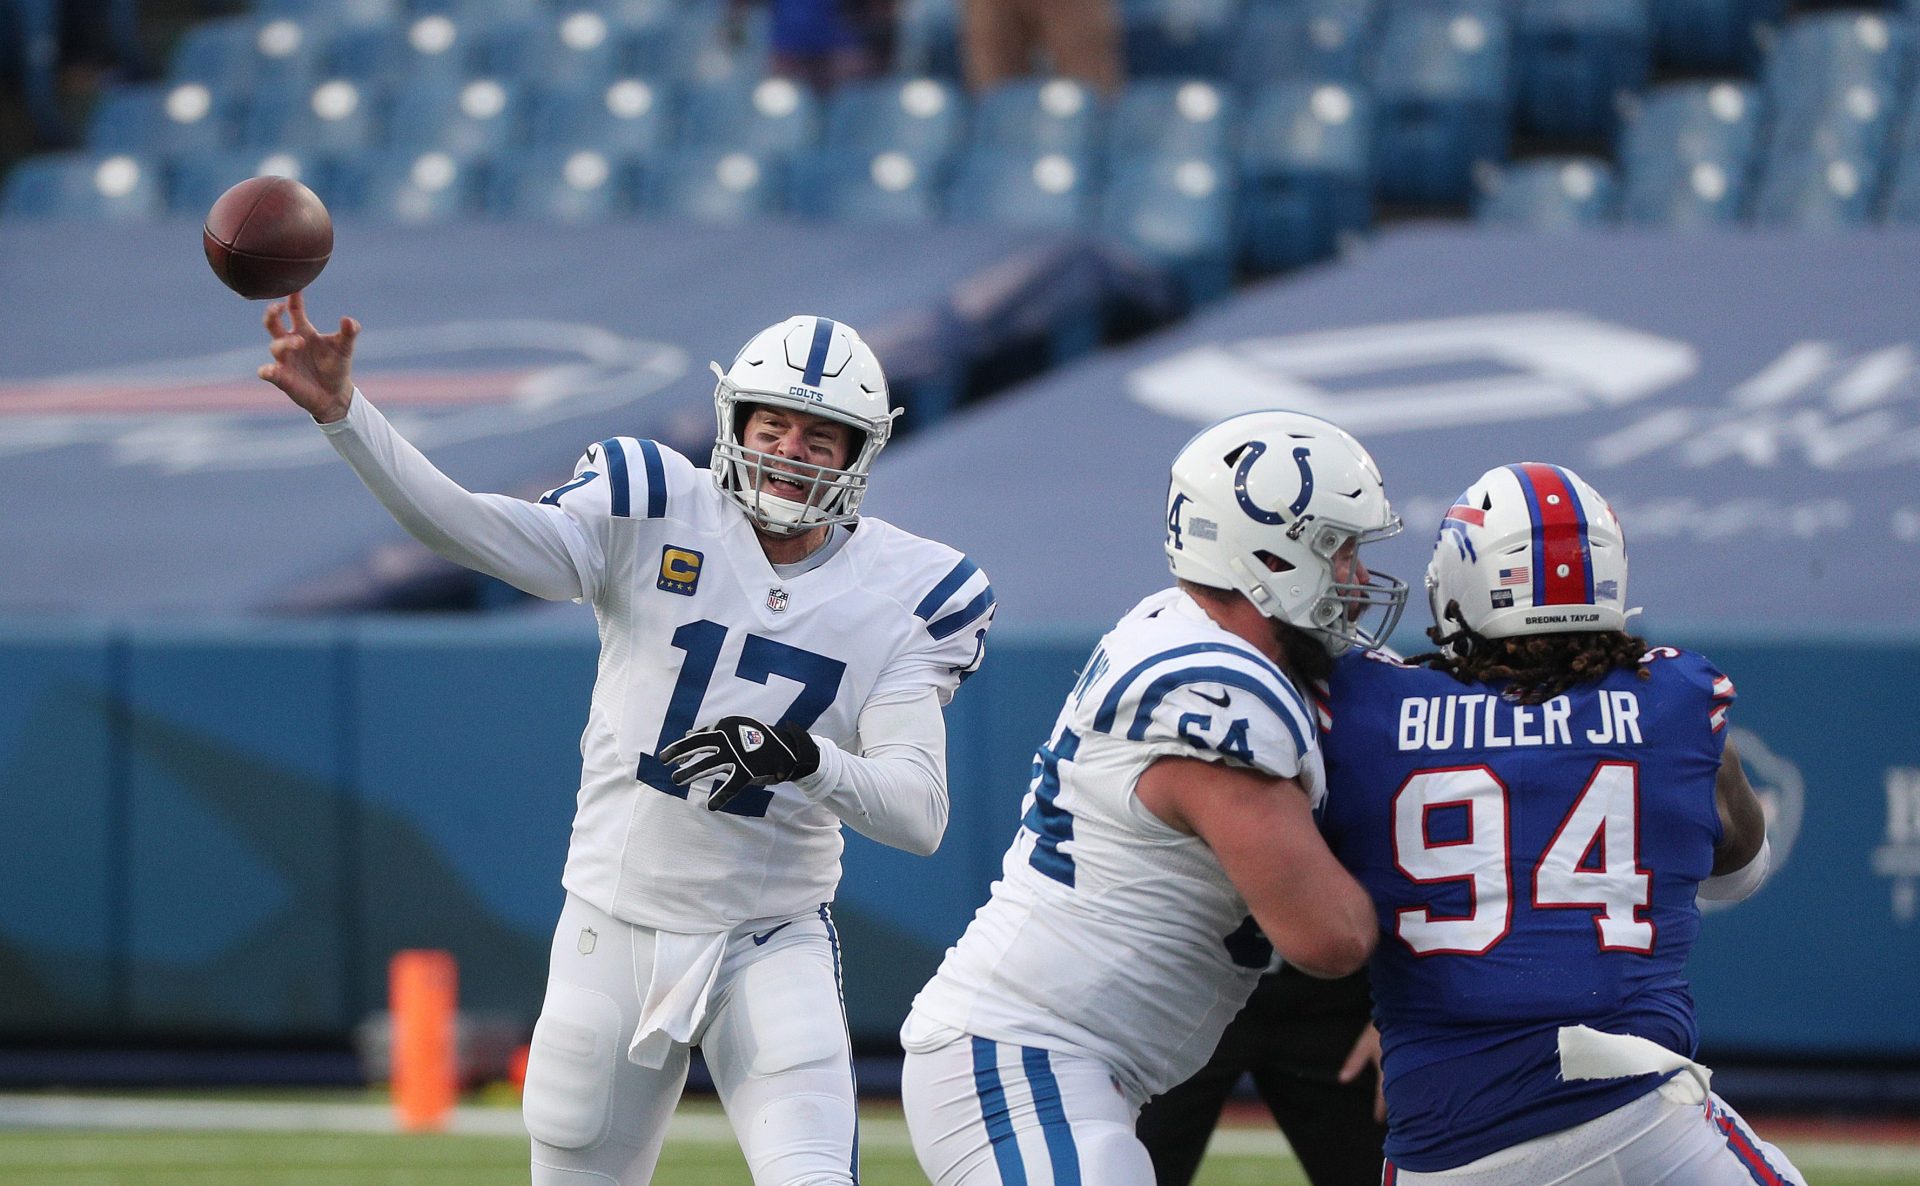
1532 866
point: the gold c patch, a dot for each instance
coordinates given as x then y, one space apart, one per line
679 570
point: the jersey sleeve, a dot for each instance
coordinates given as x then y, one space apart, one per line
1216 704
948 632
1714 687
618 478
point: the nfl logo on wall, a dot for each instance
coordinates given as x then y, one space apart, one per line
777 600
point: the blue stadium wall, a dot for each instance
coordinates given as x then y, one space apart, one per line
224 831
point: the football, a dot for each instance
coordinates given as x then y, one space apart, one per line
268 237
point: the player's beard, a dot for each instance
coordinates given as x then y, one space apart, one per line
1304 656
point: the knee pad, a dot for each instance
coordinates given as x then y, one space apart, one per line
798 1138
567 1102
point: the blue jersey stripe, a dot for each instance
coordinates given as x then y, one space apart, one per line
1110 707
617 477
1064 1158
817 354
948 586
1291 710
994 1113
656 480
957 621
840 988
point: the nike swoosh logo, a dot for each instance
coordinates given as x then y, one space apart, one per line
1223 699
760 940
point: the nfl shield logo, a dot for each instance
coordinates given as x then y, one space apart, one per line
777 600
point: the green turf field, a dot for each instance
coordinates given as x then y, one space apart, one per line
702 1155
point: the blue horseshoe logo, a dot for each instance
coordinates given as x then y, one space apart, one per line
1252 453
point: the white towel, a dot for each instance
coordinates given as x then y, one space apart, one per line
1586 1053
675 1007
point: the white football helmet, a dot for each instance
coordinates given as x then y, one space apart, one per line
804 364
1295 488
1529 549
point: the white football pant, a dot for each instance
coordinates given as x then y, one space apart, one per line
774 1038
1652 1141
985 1113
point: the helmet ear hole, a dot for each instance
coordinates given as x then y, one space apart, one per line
1273 562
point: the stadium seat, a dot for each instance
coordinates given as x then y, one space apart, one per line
431 48
1315 39
1712 35
770 117
1548 193
470 118
714 186
561 185
1178 38
893 187
1856 124
1040 115
86 186
30 59
194 181
1305 155
1440 85
235 53
162 118
632 117
695 43
408 186
1187 117
1808 193
1822 55
1009 187
1689 122
1573 57
341 12
580 46
1679 194
479 10
923 118
927 38
1902 204
1178 212
339 116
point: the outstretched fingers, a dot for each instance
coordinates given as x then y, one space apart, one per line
297 305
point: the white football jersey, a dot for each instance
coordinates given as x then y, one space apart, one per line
695 625
1110 932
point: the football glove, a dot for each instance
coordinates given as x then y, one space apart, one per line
751 753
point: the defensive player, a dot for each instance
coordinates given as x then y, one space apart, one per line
771 666
1533 811
1168 826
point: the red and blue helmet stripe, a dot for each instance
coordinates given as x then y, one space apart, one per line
1559 535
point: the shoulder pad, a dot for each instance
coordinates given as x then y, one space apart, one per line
1212 696
957 600
637 474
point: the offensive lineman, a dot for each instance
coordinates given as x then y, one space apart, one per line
1173 798
1533 811
771 666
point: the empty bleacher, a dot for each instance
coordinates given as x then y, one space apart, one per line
1254 136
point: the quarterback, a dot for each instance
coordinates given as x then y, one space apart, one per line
1167 845
772 666
1533 811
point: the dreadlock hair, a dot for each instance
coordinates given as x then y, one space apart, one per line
1537 667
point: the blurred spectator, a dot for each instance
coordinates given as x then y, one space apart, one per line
823 43
1080 37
